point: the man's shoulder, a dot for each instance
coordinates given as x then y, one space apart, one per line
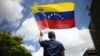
52 41
45 41
58 42
60 45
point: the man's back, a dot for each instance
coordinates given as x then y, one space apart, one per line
52 47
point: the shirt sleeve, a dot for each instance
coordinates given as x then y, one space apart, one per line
42 43
62 48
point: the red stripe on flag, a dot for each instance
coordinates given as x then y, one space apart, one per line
56 24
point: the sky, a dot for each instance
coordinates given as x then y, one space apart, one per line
16 17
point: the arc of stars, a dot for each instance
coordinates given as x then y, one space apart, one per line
55 14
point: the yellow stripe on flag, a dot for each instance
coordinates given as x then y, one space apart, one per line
59 7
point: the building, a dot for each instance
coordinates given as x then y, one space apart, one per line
95 24
90 52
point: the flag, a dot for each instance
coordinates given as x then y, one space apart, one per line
54 16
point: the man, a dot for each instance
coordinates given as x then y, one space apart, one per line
51 47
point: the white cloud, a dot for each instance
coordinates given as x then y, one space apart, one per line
38 53
29 47
10 11
21 1
29 29
74 40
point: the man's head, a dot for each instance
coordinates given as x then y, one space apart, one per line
51 35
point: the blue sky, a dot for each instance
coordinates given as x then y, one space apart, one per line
16 17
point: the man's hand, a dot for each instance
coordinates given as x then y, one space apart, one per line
40 38
41 34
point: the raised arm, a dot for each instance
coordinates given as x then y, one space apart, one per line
41 37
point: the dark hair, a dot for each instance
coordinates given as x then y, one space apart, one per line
51 35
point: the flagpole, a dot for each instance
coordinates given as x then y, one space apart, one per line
35 20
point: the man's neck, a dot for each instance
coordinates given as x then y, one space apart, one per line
52 39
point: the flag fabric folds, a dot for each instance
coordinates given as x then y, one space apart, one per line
54 16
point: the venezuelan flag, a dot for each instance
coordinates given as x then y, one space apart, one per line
54 16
